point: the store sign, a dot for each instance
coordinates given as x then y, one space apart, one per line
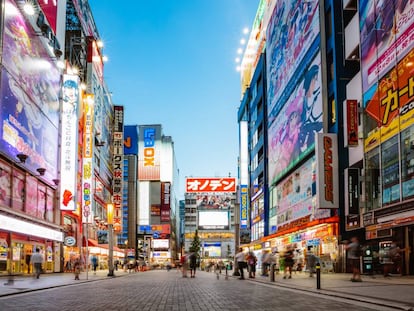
211 184
327 173
118 164
244 199
352 122
70 241
87 169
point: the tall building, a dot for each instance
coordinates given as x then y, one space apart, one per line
336 131
209 211
157 206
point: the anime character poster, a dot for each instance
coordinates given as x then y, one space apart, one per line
387 35
29 96
291 136
291 33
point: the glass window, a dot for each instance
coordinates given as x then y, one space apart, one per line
407 163
372 180
390 171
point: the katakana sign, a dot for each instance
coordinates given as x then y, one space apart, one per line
216 184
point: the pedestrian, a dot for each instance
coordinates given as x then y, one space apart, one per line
116 263
354 254
184 265
265 262
193 264
94 261
251 264
37 260
288 262
240 258
77 269
311 261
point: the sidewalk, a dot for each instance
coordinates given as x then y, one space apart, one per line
395 291
24 283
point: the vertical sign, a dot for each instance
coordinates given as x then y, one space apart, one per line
87 163
352 122
69 132
327 173
118 162
243 206
165 201
149 146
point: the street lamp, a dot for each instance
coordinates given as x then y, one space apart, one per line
110 219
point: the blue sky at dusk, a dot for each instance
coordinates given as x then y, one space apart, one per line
173 63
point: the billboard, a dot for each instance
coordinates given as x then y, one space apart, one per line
291 35
213 220
29 99
213 201
387 35
291 137
160 243
130 139
165 201
389 103
214 184
87 162
68 155
149 152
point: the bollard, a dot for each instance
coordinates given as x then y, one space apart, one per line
272 273
318 275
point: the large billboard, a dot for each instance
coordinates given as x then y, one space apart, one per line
29 99
387 35
213 220
291 137
149 152
131 139
291 35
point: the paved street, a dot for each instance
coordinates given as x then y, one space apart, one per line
162 290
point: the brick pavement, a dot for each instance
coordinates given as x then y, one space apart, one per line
396 292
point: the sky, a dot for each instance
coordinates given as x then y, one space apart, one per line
173 63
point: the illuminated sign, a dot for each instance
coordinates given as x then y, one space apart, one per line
149 152
87 168
68 158
226 184
118 164
244 198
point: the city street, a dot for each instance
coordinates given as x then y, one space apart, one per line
162 290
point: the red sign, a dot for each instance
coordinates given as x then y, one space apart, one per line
227 184
352 122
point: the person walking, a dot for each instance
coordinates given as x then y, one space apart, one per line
311 261
288 262
37 261
354 254
94 261
77 269
240 258
193 264
251 262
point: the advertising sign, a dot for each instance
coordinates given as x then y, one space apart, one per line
292 31
387 35
118 165
149 150
87 163
390 103
327 192
352 122
215 184
131 139
244 201
213 220
291 136
68 158
165 201
29 96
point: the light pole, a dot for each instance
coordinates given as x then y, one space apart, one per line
110 219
